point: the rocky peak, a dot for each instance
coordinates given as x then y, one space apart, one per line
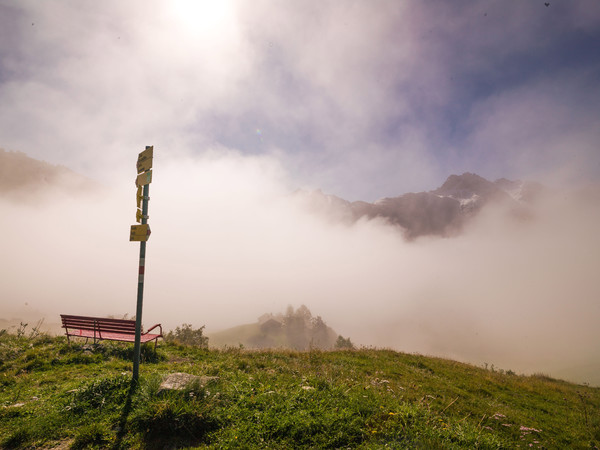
441 212
467 185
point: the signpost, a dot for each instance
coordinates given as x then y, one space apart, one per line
141 233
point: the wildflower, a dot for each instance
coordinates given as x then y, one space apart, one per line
522 428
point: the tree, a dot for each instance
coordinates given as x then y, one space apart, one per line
320 333
296 325
343 343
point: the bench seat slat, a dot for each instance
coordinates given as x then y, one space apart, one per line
102 327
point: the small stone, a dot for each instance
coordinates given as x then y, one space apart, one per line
180 381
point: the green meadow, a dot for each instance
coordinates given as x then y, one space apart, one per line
59 395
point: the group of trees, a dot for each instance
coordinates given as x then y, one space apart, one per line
300 330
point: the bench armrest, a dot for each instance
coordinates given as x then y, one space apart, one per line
153 327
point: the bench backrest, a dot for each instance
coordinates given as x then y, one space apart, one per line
100 324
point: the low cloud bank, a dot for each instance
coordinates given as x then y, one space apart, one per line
231 242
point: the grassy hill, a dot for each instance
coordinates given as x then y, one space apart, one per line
233 337
25 178
57 394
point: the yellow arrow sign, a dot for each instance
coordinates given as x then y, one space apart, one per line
145 165
139 216
139 197
139 232
143 179
144 162
148 153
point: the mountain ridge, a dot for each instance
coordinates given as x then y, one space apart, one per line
440 212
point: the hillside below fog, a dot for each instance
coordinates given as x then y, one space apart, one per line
23 178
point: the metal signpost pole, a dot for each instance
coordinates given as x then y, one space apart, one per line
140 291
141 233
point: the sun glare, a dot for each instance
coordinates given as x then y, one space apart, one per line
202 17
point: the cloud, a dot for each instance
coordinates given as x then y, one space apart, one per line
107 79
363 102
538 131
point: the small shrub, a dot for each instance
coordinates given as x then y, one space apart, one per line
21 329
36 330
187 335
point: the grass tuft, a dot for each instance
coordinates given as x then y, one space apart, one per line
179 422
94 435
17 438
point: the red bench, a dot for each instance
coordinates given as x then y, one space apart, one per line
100 328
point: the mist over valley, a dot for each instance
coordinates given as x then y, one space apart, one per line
485 272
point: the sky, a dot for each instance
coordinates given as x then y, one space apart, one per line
361 99
246 102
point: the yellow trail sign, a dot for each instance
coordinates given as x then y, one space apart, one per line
139 216
143 179
139 232
144 162
143 166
